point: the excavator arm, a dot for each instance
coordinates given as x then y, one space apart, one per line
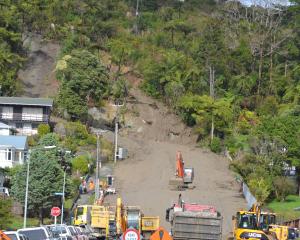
3 236
179 165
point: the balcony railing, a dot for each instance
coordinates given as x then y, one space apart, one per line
24 117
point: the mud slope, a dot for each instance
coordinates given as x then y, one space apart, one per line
153 135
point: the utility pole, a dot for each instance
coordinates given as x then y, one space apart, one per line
116 131
63 197
97 171
98 163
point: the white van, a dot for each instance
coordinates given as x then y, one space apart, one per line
36 233
13 235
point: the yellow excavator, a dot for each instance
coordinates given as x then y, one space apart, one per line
255 224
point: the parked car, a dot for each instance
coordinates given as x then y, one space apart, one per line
13 235
61 231
82 233
36 233
89 231
75 233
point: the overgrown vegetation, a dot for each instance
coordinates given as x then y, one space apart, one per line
231 71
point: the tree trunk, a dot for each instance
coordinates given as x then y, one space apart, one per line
172 32
41 218
260 69
271 70
212 130
212 95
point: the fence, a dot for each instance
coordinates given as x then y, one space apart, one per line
248 196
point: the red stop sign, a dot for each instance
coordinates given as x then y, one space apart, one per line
55 211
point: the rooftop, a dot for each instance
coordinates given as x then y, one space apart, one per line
4 126
26 101
18 142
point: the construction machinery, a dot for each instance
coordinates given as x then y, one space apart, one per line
194 221
3 236
255 224
112 221
183 176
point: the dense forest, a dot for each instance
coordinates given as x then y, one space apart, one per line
230 71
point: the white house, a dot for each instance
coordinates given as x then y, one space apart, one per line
13 150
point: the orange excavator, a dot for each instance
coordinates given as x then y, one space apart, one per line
3 236
183 176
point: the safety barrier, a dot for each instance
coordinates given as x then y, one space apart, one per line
248 196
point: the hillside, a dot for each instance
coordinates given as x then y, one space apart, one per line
230 72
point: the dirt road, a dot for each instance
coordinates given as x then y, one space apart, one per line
152 137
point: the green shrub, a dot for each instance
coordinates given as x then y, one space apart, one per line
43 129
80 164
216 145
283 187
260 188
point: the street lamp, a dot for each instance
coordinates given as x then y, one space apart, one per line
27 179
63 195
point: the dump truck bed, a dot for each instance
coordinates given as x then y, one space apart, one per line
196 226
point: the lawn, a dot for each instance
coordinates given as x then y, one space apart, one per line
286 209
17 222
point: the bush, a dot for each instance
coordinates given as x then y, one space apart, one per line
260 188
216 145
283 187
5 213
80 164
43 129
50 139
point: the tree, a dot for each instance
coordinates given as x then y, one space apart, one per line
80 164
6 216
203 109
84 80
45 178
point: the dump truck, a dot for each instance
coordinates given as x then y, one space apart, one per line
184 176
194 221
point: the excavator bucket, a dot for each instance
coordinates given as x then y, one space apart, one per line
161 234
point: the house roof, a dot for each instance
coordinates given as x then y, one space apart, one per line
26 101
18 142
4 126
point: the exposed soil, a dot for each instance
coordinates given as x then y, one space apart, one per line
38 76
152 137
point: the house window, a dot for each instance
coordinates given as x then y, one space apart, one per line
7 112
35 125
19 125
6 154
32 114
9 154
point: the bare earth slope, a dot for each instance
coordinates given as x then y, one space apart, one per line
38 76
153 137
